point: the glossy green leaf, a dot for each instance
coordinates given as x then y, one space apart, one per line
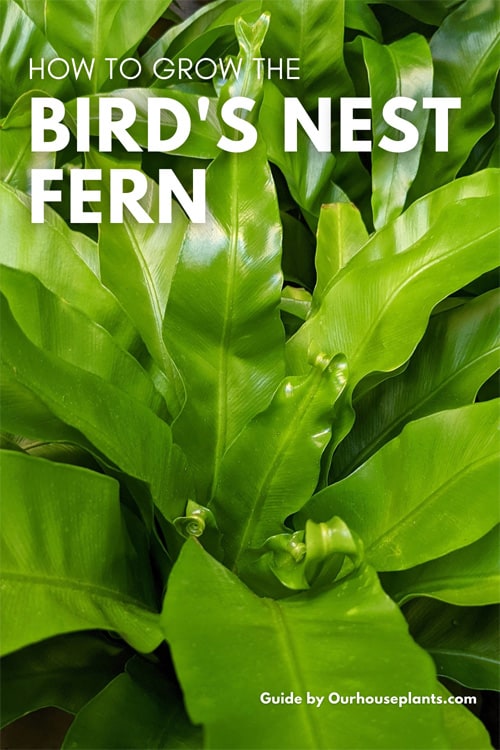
143 709
463 641
457 354
203 134
24 414
314 558
16 158
209 30
359 16
64 261
47 589
222 324
312 31
469 576
341 233
400 289
65 672
401 69
327 643
137 263
451 458
465 52
419 219
99 30
108 418
308 172
280 451
20 40
54 324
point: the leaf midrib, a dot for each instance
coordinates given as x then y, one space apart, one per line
381 437
266 481
405 520
406 282
226 333
291 659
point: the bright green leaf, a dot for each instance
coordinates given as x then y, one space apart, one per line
465 52
99 30
457 354
222 325
341 233
401 69
451 501
273 466
47 589
16 158
331 642
469 576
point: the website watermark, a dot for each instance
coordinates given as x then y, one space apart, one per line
335 698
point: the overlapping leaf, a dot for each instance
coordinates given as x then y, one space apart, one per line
20 40
64 261
463 641
47 589
100 30
458 353
469 576
401 286
222 323
16 158
137 262
312 31
55 325
65 672
142 709
273 466
402 69
109 419
327 643
465 52
452 499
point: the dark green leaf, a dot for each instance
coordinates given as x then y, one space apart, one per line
142 709
65 672
463 641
